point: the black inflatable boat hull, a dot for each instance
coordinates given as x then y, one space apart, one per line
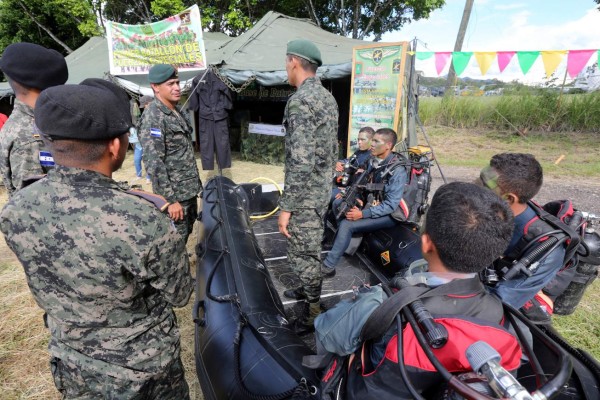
234 294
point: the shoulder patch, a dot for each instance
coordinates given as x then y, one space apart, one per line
155 132
46 159
159 202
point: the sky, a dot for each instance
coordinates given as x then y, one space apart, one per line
497 25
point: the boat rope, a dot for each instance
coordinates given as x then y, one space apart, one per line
280 193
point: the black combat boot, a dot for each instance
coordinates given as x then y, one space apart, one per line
305 323
296 293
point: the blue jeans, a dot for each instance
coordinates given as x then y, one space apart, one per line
344 235
137 159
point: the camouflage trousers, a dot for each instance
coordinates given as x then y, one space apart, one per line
190 214
74 382
304 249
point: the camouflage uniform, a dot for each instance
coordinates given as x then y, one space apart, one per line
166 137
107 267
311 120
20 149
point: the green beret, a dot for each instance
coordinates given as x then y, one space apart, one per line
305 49
160 73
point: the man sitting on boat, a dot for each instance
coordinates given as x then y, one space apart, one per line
466 228
389 170
517 177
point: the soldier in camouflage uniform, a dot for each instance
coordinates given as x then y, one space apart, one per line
311 121
104 263
166 137
29 68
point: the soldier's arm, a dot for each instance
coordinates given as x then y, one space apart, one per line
302 143
25 162
151 134
168 266
5 148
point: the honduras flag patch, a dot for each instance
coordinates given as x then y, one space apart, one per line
46 159
155 132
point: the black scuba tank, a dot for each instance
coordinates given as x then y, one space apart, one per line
586 272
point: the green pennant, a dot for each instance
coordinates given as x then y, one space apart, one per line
526 59
460 60
424 55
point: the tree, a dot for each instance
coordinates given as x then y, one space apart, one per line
356 18
60 24
363 18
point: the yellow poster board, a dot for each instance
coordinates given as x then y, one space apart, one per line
377 98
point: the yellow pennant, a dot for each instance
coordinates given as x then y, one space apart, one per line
484 59
552 59
385 257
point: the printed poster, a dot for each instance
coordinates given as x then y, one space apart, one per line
177 40
376 90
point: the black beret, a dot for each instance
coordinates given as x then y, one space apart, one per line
160 73
81 112
34 66
119 92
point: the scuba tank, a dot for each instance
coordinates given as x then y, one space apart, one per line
586 270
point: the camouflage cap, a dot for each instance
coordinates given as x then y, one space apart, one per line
34 66
160 73
82 112
305 49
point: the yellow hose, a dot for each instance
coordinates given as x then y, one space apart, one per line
280 193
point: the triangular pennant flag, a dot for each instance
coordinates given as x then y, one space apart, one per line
526 59
504 58
460 60
441 60
576 60
484 59
424 55
551 60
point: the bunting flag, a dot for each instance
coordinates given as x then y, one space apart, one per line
526 59
504 58
484 60
460 60
441 60
576 59
424 55
551 60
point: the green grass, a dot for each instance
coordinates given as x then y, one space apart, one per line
526 111
582 328
474 148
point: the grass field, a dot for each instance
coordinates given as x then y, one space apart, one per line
24 371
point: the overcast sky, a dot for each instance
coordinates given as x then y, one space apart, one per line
507 25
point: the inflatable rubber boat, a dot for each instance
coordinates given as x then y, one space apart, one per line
244 347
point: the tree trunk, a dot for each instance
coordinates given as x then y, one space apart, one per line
56 39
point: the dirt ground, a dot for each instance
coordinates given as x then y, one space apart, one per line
585 193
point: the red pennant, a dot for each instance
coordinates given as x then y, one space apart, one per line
504 58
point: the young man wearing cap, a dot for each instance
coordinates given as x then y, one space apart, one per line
166 136
311 121
104 263
29 69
